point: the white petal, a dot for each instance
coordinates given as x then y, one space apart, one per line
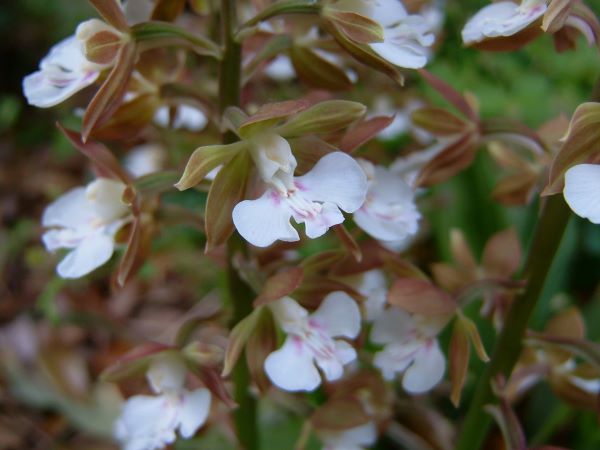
396 325
396 357
274 160
389 212
338 315
427 369
317 225
144 159
190 118
336 178
288 313
292 368
64 238
166 372
105 196
403 56
501 19
344 352
193 411
332 368
147 423
388 12
90 254
63 72
582 191
264 220
350 439
71 210
281 69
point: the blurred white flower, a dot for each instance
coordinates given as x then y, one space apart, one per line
152 422
85 220
357 438
502 19
186 117
582 191
280 69
335 183
389 212
144 159
310 342
410 347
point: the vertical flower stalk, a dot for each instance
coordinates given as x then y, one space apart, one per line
240 294
546 240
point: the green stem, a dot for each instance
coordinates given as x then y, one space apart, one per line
240 294
547 236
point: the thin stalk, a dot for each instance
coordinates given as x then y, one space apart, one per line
546 240
240 294
547 236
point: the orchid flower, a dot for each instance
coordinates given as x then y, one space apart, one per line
186 117
335 183
85 220
502 19
406 37
356 438
144 159
63 72
410 347
67 69
582 191
310 342
151 422
389 212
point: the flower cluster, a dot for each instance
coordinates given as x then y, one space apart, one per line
315 212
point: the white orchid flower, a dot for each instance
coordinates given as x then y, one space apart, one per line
502 19
280 69
85 220
66 70
63 72
406 37
582 191
144 159
151 422
186 117
356 438
389 212
311 343
335 183
410 347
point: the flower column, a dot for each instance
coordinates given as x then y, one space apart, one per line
240 294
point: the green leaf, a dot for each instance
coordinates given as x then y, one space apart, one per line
316 71
109 96
227 190
162 34
322 118
582 141
354 26
205 159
